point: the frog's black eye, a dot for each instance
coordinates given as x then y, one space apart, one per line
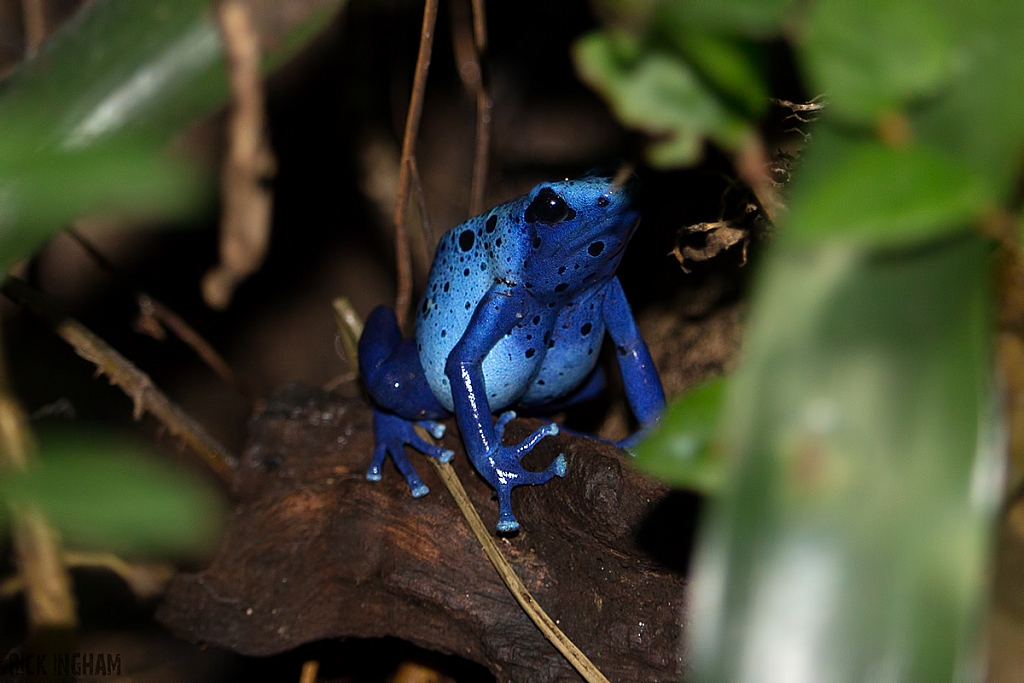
548 207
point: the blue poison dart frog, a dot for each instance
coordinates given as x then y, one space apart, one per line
514 314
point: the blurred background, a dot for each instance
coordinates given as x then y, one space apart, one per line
853 462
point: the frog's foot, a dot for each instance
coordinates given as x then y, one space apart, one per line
631 441
393 434
506 472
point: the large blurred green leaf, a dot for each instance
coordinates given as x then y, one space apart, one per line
657 92
753 18
727 66
82 126
42 192
102 494
855 189
978 117
956 69
681 452
874 56
849 543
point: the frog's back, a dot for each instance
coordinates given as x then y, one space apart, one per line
470 259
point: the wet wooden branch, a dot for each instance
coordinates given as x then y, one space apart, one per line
145 395
315 551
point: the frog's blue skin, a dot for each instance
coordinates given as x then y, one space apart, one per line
517 305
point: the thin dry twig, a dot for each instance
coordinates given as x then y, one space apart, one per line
350 328
403 257
33 14
720 235
248 164
145 395
622 176
544 623
429 241
145 580
310 670
484 104
469 38
49 600
811 107
414 672
155 316
753 166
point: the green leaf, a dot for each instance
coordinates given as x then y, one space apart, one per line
102 494
728 67
977 117
659 93
876 56
83 125
680 452
851 537
46 191
751 18
857 190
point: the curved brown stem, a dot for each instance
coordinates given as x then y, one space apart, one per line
403 256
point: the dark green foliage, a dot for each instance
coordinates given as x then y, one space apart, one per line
858 444
101 493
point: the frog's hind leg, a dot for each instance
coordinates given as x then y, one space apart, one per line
391 370
402 399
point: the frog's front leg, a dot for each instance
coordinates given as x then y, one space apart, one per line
639 376
393 375
496 314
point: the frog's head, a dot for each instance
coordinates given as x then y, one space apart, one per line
579 228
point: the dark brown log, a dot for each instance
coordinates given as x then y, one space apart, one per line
314 551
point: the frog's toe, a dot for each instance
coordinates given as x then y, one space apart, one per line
503 420
559 466
631 441
380 453
508 525
435 429
442 454
529 442
416 485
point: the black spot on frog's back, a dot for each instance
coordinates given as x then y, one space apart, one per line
466 240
